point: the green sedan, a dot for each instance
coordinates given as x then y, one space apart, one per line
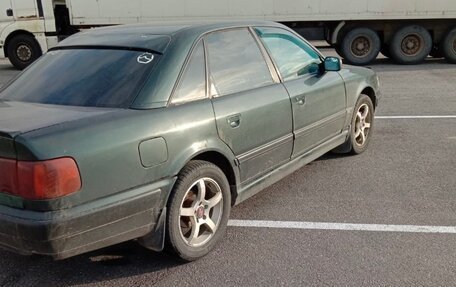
153 133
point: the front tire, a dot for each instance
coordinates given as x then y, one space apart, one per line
23 50
361 128
198 210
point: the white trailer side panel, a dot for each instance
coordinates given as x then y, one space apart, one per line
105 12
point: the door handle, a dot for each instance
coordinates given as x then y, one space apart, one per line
234 121
301 100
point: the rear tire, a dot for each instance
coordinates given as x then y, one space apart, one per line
361 128
23 50
198 210
448 46
360 46
411 45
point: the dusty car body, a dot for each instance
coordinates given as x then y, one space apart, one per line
120 164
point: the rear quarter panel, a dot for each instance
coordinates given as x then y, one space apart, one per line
106 149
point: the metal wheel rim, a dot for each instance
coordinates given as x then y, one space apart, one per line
24 53
361 46
363 125
412 44
200 212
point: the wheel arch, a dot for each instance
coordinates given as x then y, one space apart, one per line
370 92
224 164
337 33
222 159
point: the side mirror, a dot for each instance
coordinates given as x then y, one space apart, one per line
333 64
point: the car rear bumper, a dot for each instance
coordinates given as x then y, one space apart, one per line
73 231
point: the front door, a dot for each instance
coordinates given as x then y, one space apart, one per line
317 97
252 110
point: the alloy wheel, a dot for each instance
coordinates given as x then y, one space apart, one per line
363 125
201 212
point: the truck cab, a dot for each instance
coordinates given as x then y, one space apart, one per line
27 29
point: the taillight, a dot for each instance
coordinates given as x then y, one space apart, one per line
39 180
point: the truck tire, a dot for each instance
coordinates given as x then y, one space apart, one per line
23 50
448 46
411 45
360 46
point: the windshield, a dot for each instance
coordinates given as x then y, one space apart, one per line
83 77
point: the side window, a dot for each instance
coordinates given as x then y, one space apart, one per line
292 56
192 85
235 62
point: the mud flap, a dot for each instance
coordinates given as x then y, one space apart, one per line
155 240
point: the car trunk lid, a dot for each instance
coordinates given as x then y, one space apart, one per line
20 117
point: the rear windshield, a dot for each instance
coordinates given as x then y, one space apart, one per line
83 77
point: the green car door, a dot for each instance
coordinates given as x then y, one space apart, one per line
317 97
252 109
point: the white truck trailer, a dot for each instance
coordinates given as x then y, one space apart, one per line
406 30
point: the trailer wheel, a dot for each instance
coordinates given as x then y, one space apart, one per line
23 50
448 46
411 45
360 46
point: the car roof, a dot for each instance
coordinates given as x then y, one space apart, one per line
173 43
150 37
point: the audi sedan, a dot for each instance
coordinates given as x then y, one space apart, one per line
153 133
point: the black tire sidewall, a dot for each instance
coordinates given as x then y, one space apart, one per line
348 39
447 47
338 50
31 43
363 99
396 45
191 173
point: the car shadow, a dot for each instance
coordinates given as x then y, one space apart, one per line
119 261
332 156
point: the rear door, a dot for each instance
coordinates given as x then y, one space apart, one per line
252 109
317 97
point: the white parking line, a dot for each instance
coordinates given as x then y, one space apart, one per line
342 226
415 117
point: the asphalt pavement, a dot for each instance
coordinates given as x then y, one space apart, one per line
407 177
